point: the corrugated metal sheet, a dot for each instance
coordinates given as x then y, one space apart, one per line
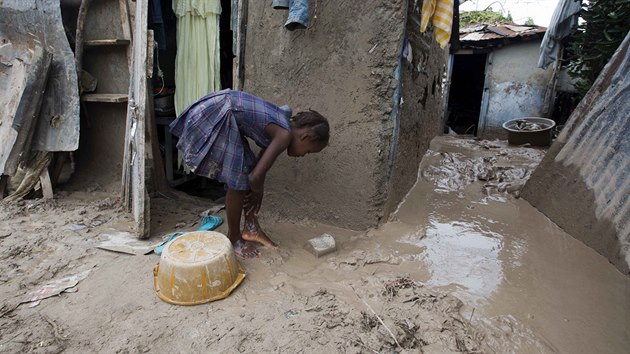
600 148
587 171
485 32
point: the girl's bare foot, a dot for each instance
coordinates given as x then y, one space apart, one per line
252 232
245 249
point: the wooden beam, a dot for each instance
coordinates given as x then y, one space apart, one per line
105 97
106 42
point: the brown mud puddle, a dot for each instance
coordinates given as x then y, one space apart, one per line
503 258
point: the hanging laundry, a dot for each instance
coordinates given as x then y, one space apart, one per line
298 13
440 13
198 61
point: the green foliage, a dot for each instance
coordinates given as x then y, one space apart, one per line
486 16
530 22
606 23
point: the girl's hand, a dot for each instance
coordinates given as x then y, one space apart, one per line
254 197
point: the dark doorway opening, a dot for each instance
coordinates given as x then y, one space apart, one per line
464 101
226 39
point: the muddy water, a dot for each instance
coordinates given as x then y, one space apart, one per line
526 285
513 266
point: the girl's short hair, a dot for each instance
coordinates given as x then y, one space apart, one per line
314 121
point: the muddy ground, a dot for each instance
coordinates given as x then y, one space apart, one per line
464 265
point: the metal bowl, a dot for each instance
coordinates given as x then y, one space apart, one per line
531 130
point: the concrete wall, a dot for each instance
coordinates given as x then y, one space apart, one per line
344 67
516 86
583 183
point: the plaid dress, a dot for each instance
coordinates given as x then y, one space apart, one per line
213 134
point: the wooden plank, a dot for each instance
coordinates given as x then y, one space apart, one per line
106 42
125 21
44 180
23 83
79 42
105 97
128 32
58 128
134 175
158 177
485 98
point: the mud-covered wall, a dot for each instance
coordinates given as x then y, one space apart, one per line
583 183
420 107
516 88
344 67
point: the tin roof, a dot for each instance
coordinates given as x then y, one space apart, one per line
492 33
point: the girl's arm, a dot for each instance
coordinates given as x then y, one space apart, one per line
280 139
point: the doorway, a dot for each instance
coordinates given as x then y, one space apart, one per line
466 92
177 175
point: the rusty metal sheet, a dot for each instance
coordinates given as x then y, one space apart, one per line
472 37
477 33
58 123
471 29
498 30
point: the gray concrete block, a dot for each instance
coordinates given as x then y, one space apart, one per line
321 245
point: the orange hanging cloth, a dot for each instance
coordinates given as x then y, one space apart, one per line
440 13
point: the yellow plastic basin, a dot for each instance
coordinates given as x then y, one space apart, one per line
196 268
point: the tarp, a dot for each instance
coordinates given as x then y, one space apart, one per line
563 22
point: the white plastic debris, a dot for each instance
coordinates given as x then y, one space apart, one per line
55 287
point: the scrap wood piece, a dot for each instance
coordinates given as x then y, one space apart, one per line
57 129
22 83
78 45
46 184
54 288
127 243
32 172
